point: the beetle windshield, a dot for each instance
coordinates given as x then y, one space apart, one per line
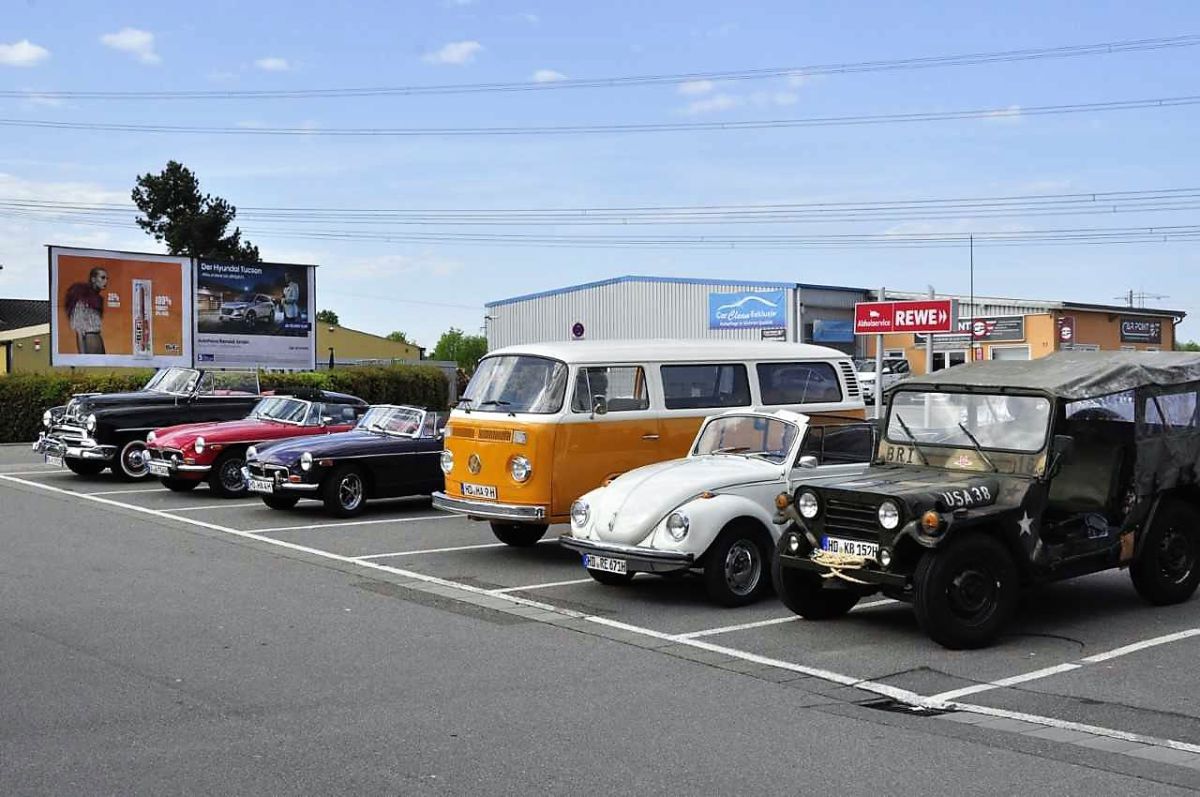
517 383
960 420
173 380
281 409
395 421
749 436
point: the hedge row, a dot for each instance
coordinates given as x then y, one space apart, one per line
24 397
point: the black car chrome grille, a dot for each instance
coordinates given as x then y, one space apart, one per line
277 473
853 520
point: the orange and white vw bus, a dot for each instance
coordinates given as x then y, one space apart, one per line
542 424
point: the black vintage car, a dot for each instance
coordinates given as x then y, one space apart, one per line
394 451
991 476
95 431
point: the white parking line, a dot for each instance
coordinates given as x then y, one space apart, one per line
440 550
352 523
158 489
46 470
1058 669
226 505
726 629
896 693
547 585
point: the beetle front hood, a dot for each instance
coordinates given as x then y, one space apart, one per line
641 498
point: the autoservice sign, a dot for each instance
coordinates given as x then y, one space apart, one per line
927 315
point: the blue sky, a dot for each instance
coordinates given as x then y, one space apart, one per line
423 288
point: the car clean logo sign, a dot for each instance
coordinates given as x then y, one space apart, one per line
747 310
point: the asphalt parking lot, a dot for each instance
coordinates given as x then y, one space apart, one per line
1088 669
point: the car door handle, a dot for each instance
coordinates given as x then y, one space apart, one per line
649 437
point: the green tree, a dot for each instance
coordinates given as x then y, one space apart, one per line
190 223
327 317
466 350
1191 345
400 337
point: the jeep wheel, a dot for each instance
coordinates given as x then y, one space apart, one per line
735 568
1166 570
83 467
518 535
806 594
344 492
610 579
179 485
225 479
280 501
132 461
966 592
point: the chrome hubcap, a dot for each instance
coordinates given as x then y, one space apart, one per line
350 491
231 475
743 567
134 459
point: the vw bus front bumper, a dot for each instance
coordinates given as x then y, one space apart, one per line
488 510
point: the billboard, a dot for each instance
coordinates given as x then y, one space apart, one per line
119 309
747 310
255 314
1141 330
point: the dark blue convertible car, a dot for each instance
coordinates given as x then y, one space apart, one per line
394 451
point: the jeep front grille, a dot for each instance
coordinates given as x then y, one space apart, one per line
853 520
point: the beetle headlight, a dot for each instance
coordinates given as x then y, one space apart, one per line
251 453
889 515
47 419
678 525
580 513
447 461
520 468
91 423
150 438
306 461
808 504
199 445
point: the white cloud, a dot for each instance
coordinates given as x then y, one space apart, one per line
273 64
1010 115
798 79
456 53
22 53
771 99
694 87
43 100
531 18
136 42
714 104
548 76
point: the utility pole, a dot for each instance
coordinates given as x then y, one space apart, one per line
879 364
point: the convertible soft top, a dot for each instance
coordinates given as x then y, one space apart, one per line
1070 375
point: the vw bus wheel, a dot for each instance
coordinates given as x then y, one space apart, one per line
280 501
132 461
518 535
1167 569
735 569
225 479
345 492
805 593
83 467
179 485
966 592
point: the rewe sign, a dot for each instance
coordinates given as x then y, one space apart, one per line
928 315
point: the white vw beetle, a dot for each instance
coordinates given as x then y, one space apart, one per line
713 510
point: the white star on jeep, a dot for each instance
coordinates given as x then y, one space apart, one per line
1026 524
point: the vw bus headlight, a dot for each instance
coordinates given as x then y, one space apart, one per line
580 513
251 453
808 504
447 461
306 461
520 468
889 515
150 438
199 445
91 423
678 525
47 419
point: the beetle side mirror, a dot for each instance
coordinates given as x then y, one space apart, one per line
1060 446
599 405
807 461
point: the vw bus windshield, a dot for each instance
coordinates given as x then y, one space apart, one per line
517 383
964 420
749 436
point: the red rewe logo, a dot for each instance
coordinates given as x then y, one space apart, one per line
930 315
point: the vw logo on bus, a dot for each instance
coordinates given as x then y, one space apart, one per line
473 463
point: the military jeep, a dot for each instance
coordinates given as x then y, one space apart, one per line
993 476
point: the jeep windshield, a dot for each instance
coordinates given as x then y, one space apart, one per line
516 383
178 381
995 422
748 436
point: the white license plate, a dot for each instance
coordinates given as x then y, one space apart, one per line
869 550
55 460
479 491
159 468
257 484
606 563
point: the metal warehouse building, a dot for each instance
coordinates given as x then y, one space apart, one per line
671 307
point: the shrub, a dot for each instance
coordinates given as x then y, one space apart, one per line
24 397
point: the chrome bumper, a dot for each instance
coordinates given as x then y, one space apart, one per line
281 485
488 510
75 449
637 559
179 467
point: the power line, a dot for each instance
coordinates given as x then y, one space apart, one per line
924 62
649 127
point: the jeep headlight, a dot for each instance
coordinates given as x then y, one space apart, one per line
306 461
520 468
678 525
447 461
251 453
580 514
47 419
150 438
889 515
808 505
91 423
199 445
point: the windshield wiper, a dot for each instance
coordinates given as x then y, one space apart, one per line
979 448
495 403
464 400
377 427
912 437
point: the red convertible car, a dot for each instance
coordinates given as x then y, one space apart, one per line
184 456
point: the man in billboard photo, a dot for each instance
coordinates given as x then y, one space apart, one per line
84 303
291 299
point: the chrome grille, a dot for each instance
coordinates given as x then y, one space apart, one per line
853 520
852 388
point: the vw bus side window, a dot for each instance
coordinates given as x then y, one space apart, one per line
517 383
623 389
687 387
798 383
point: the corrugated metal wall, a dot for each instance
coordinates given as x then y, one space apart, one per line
622 310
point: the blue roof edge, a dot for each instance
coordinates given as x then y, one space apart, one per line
676 280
